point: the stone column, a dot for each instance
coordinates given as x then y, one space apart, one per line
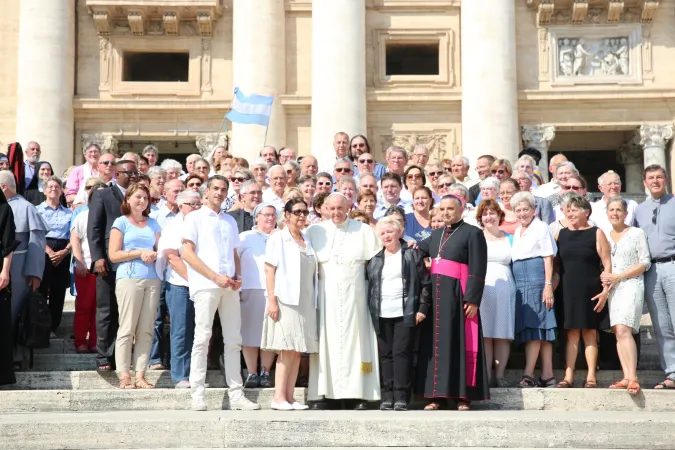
653 139
46 82
259 64
631 156
539 137
489 90
338 73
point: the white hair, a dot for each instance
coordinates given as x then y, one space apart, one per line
192 157
393 221
150 149
292 163
156 171
343 161
340 195
276 166
523 197
171 164
569 164
7 177
609 172
395 149
345 180
247 184
529 159
259 162
422 146
90 144
490 182
188 194
460 187
464 160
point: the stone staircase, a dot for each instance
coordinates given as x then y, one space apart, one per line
64 403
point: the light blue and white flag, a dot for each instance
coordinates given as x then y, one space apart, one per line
250 109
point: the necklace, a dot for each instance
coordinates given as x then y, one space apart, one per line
443 242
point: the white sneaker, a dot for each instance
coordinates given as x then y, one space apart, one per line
185 384
198 405
241 403
283 406
299 406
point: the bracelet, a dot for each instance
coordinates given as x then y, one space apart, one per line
548 283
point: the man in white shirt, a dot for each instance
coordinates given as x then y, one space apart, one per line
420 155
391 195
309 166
189 164
552 187
460 170
181 308
170 207
609 184
287 154
278 179
210 242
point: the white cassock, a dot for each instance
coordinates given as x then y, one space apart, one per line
347 363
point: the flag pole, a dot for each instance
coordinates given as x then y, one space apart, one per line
265 141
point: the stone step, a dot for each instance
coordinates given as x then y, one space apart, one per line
179 399
316 429
91 380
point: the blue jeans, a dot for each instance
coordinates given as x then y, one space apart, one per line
660 298
158 339
182 313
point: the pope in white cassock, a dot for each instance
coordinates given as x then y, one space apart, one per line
346 366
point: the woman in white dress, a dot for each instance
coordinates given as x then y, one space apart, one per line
630 260
498 306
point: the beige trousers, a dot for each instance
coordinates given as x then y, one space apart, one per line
137 304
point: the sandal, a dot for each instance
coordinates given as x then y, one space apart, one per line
433 406
633 387
527 382
622 384
664 385
125 383
547 383
590 384
158 366
142 383
105 367
564 384
463 406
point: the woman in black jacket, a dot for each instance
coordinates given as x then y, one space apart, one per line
399 298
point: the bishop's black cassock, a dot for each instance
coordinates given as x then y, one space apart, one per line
452 356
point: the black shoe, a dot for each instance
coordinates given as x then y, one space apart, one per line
361 406
264 378
319 406
401 405
252 381
387 405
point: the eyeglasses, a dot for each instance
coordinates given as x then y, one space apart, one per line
200 168
238 179
361 145
129 173
300 212
365 161
194 185
435 174
155 200
254 192
655 215
571 188
324 183
105 163
343 169
193 204
500 172
445 185
413 176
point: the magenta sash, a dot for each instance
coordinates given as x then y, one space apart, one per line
460 272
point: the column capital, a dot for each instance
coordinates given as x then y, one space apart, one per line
207 142
538 136
654 135
107 142
630 153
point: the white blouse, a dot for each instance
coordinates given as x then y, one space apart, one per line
535 242
252 258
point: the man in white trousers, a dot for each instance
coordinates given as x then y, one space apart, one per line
210 242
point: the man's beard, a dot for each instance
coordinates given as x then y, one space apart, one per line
33 159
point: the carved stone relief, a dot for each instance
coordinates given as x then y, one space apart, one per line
107 142
104 63
207 142
436 142
579 57
630 153
206 65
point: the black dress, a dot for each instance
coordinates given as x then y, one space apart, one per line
442 366
7 246
581 267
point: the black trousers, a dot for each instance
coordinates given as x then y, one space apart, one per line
396 341
55 281
107 318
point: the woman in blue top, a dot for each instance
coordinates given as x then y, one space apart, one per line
133 249
56 276
418 222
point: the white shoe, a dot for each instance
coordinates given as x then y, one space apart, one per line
241 403
299 406
198 405
283 406
185 384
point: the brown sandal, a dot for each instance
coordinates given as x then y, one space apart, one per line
433 406
622 384
565 384
142 383
633 387
125 383
590 384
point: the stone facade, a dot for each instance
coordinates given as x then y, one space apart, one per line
557 75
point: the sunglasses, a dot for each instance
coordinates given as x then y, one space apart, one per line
193 204
155 200
500 172
435 174
130 173
358 145
413 176
343 169
445 185
365 161
238 179
655 216
300 212
194 185
105 163
324 183
571 188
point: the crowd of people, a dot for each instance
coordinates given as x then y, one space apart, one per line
362 281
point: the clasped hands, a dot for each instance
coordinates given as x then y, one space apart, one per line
225 282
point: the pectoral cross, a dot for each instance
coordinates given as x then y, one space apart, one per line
438 258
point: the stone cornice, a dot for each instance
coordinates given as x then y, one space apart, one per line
579 12
154 17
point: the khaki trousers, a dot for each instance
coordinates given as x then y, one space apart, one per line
137 304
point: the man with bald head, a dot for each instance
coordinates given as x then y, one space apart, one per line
346 367
278 179
309 166
609 184
552 187
368 182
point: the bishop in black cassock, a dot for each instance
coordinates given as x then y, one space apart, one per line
452 357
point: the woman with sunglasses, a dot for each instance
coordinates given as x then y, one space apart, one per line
413 177
501 169
194 183
445 182
324 182
238 177
573 183
290 327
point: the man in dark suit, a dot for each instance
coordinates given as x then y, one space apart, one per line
250 196
103 210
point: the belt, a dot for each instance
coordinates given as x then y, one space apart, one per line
663 260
